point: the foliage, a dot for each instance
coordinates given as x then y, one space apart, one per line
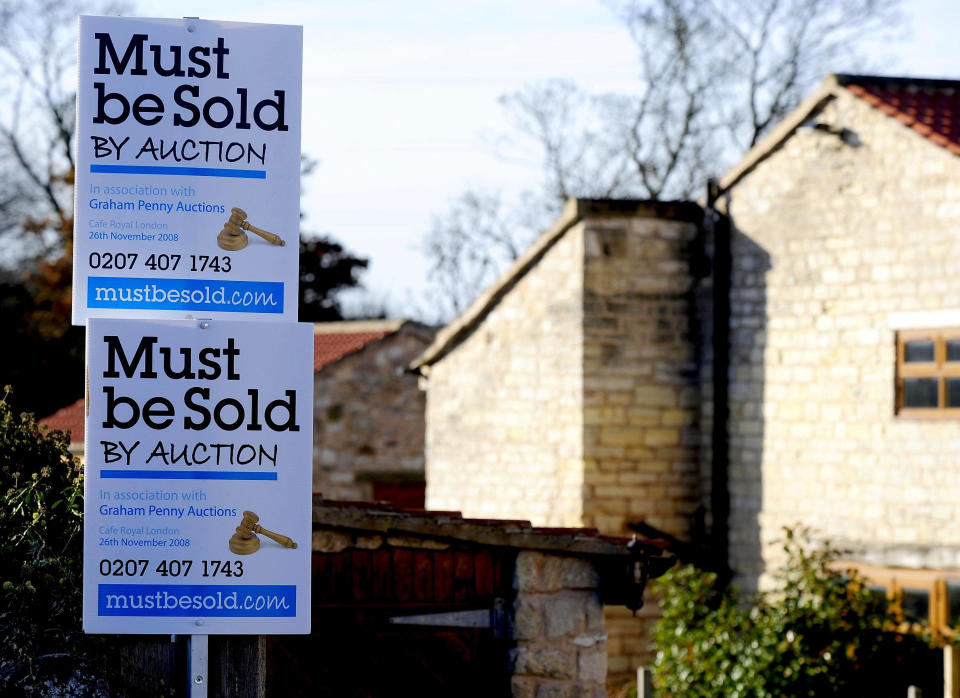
819 633
40 551
325 269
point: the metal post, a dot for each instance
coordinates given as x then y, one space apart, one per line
644 683
197 666
951 672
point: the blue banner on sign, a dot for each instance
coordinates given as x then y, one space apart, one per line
185 294
214 601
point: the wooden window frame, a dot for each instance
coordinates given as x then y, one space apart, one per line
895 579
939 369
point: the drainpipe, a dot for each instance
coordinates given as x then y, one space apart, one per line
720 441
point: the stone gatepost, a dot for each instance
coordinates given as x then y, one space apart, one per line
557 622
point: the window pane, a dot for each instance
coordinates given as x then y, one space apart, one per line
879 593
921 351
953 601
920 392
953 392
916 605
953 350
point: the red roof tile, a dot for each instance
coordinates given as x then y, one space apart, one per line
929 107
331 347
69 418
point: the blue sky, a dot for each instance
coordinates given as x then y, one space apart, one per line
400 101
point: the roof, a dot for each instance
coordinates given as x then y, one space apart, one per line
574 211
69 418
930 107
334 340
381 518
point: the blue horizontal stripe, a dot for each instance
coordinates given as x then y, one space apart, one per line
193 600
185 475
183 171
185 294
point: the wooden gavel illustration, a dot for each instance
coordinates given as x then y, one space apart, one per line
245 541
232 236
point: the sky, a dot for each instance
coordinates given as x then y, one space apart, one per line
400 104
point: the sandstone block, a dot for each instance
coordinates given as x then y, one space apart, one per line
661 437
592 664
568 573
526 576
545 662
655 395
564 613
621 436
331 541
528 617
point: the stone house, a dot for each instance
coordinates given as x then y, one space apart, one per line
820 285
368 425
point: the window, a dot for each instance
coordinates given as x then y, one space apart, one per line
928 373
925 598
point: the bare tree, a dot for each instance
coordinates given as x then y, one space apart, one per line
714 76
469 246
38 54
41 353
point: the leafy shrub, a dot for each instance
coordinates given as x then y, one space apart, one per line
41 542
819 633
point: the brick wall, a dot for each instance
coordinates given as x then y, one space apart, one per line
836 247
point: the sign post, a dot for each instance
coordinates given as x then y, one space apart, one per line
199 425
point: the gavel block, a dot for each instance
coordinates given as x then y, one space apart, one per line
233 237
245 541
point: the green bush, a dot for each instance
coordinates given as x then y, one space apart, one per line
819 633
41 544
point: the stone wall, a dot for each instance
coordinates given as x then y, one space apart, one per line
575 400
836 247
369 417
641 394
555 618
558 628
504 408
640 384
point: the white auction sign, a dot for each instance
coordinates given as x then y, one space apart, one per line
197 515
187 196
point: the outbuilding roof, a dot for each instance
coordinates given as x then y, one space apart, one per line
334 340
381 518
69 418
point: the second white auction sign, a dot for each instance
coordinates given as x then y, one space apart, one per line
187 170
198 477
